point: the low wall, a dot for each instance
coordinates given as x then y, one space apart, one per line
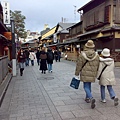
3 67
5 77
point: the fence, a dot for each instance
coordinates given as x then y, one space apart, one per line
3 67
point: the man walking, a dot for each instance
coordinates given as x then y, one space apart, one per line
38 56
27 53
50 58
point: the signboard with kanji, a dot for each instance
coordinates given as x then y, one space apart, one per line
6 12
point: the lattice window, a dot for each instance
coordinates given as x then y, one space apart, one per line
117 12
107 14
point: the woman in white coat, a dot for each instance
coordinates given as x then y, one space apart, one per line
32 57
107 77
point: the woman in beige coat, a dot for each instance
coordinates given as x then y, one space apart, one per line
107 77
88 73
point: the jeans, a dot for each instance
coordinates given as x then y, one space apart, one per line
49 67
110 90
27 62
59 57
87 88
38 61
32 62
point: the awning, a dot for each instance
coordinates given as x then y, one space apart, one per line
87 33
70 41
51 45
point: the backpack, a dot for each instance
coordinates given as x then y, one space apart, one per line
50 56
43 56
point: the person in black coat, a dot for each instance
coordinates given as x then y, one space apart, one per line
27 53
43 60
56 55
50 58
38 56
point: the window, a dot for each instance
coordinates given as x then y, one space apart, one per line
107 14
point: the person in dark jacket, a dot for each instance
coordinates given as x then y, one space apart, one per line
38 56
56 55
59 55
50 58
27 53
21 59
43 60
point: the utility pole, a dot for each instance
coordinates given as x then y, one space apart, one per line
13 47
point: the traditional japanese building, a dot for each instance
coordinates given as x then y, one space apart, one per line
101 23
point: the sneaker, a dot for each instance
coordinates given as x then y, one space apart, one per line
116 101
87 100
103 101
51 71
93 103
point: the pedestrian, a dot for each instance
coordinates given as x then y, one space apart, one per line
87 66
21 60
107 76
27 53
50 58
56 55
59 55
43 61
38 56
32 57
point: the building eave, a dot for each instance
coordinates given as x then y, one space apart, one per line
85 5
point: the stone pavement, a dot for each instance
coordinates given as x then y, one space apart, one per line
37 96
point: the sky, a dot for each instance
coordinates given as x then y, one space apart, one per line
41 12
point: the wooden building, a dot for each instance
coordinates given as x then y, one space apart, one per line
5 37
100 21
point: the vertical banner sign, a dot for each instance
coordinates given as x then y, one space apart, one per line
55 38
6 12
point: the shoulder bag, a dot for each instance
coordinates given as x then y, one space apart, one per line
101 72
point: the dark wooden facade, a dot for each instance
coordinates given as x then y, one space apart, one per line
4 41
101 23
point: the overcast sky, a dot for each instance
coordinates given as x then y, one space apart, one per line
40 12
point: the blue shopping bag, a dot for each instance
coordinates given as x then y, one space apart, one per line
75 83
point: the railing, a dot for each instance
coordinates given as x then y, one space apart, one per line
3 67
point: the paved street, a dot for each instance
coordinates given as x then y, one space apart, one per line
37 96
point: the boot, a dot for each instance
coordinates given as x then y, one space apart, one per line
21 73
22 70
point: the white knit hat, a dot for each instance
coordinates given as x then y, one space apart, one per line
106 52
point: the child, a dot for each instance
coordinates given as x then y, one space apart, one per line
107 77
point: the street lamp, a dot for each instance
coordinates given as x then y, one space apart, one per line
13 47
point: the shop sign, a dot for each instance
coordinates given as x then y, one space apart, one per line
6 12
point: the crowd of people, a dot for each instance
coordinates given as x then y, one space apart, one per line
44 59
89 67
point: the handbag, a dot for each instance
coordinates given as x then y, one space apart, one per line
75 82
101 72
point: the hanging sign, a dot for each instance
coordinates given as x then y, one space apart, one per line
6 12
55 38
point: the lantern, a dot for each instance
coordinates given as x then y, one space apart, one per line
8 35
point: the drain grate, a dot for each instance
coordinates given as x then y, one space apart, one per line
45 78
